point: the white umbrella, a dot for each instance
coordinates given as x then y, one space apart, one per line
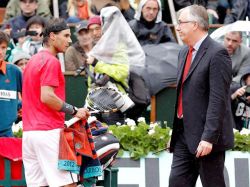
243 26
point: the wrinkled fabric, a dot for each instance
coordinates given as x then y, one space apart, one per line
117 33
77 151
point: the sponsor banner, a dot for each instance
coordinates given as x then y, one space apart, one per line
153 171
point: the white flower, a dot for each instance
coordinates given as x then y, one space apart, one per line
235 130
165 123
15 128
110 131
151 131
118 124
245 131
170 133
20 124
130 122
132 127
141 119
153 125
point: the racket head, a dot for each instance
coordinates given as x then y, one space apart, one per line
104 100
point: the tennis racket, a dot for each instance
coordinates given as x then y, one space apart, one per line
105 100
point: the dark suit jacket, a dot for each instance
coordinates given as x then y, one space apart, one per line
206 98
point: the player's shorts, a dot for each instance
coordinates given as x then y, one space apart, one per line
40 159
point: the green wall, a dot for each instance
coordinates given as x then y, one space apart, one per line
76 90
165 102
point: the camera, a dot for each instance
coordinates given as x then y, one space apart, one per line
31 33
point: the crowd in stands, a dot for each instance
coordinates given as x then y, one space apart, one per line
24 21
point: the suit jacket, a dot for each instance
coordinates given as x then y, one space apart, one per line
207 111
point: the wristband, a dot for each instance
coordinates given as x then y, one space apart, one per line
75 110
68 109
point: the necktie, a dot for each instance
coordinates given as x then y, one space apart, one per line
185 72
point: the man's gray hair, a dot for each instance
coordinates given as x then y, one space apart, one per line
198 14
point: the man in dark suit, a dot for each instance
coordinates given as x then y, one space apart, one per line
202 128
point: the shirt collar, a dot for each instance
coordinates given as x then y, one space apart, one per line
3 67
198 44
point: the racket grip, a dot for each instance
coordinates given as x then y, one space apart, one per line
76 119
94 112
71 121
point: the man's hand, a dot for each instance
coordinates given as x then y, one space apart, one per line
213 12
248 99
7 31
90 60
204 148
238 93
82 113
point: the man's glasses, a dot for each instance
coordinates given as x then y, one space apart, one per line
179 23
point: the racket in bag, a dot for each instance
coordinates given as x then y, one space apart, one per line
107 147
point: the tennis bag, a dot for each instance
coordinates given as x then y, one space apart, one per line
107 147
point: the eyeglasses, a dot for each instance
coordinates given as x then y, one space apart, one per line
179 23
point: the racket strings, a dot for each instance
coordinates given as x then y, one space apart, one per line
103 99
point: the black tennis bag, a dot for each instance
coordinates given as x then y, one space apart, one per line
107 147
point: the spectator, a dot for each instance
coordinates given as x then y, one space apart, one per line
240 10
224 6
148 25
95 28
76 54
123 5
34 28
15 24
13 9
10 88
115 52
239 53
241 102
210 5
78 10
127 10
13 47
20 59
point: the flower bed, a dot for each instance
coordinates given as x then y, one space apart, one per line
141 138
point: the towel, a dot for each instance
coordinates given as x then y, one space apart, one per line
77 151
11 148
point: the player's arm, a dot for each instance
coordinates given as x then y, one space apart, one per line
49 98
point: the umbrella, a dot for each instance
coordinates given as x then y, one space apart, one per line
243 26
160 69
